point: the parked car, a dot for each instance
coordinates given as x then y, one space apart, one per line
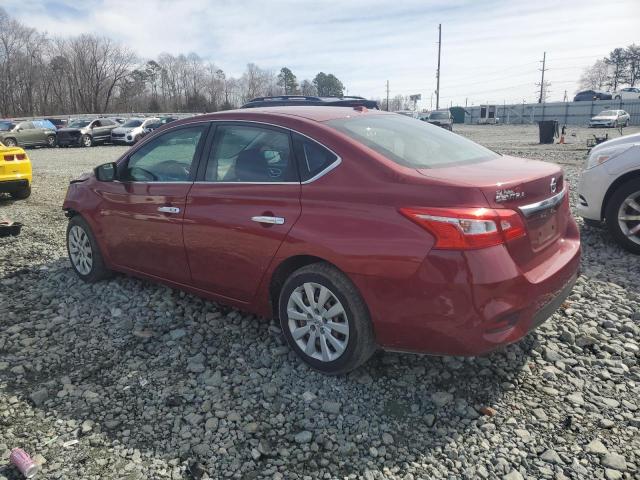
15 172
610 118
441 118
358 229
629 93
57 122
133 130
306 100
28 134
86 132
610 189
591 95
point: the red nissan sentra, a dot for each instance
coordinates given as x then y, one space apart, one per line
358 229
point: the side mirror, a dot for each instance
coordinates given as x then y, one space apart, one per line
106 172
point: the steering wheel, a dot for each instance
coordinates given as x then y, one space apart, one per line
138 173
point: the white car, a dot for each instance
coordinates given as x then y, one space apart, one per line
629 93
610 118
610 189
133 130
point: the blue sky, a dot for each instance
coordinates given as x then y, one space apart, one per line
491 48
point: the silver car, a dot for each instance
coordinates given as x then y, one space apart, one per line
610 118
133 130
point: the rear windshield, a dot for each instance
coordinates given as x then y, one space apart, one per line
410 142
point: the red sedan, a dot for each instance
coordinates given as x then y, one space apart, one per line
358 229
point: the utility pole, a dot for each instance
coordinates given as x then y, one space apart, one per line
544 58
565 96
438 74
387 95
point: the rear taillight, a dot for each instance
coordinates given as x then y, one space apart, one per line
468 228
17 156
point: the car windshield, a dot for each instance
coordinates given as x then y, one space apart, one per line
608 113
4 126
411 143
78 123
132 123
439 115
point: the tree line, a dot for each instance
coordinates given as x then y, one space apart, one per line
43 75
621 67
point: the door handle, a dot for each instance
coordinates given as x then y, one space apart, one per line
269 220
169 209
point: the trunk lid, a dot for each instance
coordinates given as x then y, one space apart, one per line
516 183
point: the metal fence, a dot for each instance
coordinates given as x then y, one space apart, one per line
568 113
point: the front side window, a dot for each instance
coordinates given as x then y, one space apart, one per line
26 126
312 157
168 158
410 143
250 154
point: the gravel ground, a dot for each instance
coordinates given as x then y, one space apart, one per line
131 380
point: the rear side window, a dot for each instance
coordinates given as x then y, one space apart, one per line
410 142
313 158
246 154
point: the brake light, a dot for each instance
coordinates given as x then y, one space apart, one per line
17 156
468 228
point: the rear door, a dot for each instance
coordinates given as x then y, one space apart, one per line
142 214
244 203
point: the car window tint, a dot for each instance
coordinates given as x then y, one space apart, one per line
26 126
250 154
312 157
168 158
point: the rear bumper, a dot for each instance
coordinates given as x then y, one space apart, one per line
11 186
470 303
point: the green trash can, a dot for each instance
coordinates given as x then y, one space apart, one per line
547 129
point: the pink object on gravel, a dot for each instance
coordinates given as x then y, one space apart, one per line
23 462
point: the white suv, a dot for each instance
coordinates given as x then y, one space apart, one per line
133 130
610 189
628 93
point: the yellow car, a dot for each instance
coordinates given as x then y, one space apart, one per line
15 172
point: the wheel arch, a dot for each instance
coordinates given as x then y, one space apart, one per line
282 272
622 179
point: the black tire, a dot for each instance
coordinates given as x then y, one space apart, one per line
360 343
97 270
87 141
611 213
618 97
51 141
22 193
626 123
10 142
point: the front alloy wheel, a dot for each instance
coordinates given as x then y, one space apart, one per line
83 251
623 215
87 141
325 320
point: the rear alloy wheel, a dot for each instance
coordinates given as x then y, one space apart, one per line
84 253
10 142
623 215
87 141
51 141
325 320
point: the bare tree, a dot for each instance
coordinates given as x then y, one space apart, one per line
595 77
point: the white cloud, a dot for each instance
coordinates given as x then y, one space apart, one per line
491 49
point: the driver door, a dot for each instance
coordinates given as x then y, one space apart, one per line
142 212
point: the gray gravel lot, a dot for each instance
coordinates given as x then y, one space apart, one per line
130 380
